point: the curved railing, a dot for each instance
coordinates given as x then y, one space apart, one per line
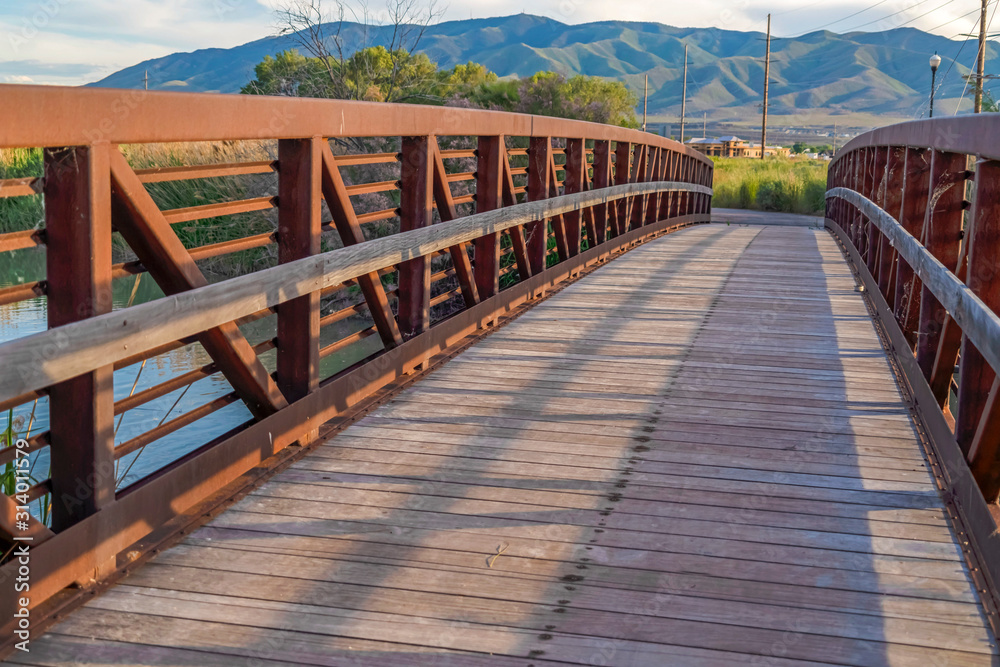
379 236
917 206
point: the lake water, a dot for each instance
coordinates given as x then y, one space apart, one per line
28 317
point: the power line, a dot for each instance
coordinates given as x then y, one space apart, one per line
825 25
982 46
951 65
889 16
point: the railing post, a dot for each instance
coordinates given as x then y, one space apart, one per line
854 179
676 175
623 166
299 227
669 158
975 376
640 170
489 197
876 193
602 179
891 202
655 174
539 161
943 239
78 256
916 190
416 210
865 187
575 180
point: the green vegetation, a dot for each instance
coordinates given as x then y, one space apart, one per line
800 147
20 213
775 184
376 74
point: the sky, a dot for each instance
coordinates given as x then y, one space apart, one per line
71 42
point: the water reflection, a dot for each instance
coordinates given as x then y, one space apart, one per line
29 317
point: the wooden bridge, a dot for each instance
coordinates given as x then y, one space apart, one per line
581 425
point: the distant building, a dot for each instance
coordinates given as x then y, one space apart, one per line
733 147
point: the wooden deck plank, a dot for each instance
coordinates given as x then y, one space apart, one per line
696 455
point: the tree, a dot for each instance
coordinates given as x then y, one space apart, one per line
289 74
800 147
321 35
581 97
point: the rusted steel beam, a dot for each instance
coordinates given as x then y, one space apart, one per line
516 234
149 235
349 229
983 278
984 448
446 209
655 174
299 226
640 174
916 194
558 221
416 211
943 239
880 157
576 175
70 116
489 197
892 202
602 179
77 195
677 198
589 221
944 365
623 171
536 233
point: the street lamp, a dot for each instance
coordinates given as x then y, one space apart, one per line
935 63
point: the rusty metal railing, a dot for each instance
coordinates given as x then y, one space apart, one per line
414 225
918 207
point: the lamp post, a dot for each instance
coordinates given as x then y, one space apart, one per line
935 63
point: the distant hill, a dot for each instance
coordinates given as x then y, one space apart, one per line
872 73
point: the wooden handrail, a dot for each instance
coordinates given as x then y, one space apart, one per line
82 346
975 318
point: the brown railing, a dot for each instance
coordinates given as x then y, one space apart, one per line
380 234
918 207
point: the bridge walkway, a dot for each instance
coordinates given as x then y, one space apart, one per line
695 455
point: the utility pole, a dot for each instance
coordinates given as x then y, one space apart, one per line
834 140
704 127
981 60
684 95
767 76
145 80
645 101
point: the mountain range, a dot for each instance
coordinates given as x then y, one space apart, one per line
885 73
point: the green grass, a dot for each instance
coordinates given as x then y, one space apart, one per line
20 213
775 184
